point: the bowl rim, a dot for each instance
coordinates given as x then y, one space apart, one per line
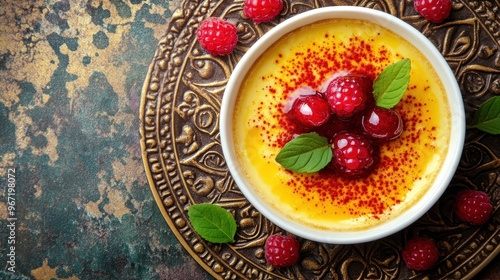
448 166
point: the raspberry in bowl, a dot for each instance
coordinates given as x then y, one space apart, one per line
312 84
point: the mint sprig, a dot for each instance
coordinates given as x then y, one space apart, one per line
390 85
487 117
305 153
212 222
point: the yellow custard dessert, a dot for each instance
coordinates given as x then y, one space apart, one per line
305 60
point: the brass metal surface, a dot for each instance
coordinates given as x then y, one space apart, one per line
184 163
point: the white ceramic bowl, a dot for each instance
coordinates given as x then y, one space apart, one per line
451 159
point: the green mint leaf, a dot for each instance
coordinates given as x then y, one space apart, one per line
307 153
212 222
487 117
390 86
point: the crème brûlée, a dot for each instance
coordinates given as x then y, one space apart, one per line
305 60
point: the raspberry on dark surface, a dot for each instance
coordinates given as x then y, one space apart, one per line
433 10
262 10
217 36
281 250
473 207
420 253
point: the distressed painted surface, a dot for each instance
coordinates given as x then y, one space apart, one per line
71 73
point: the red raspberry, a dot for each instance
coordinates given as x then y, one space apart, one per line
281 251
473 207
262 10
433 10
420 253
382 123
352 154
217 36
311 110
349 94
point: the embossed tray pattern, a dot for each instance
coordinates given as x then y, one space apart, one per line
184 163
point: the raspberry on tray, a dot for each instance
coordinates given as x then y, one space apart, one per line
262 10
473 207
420 253
435 11
281 250
217 36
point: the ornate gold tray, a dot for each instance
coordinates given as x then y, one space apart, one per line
184 163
